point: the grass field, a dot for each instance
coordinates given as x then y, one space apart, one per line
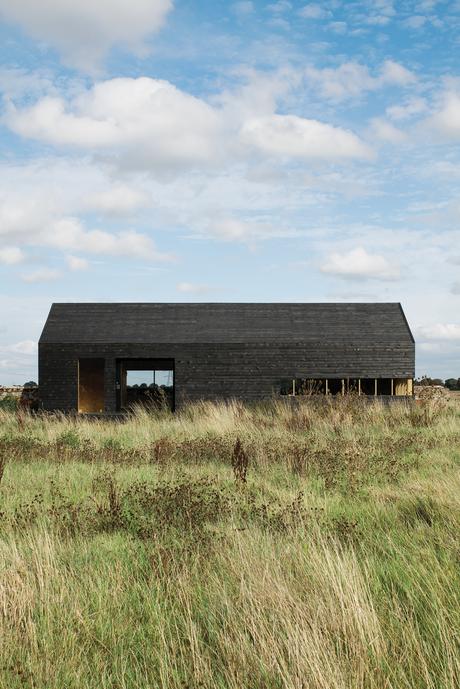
226 546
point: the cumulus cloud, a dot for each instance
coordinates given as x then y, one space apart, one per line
446 120
22 217
148 124
36 222
119 199
386 131
17 83
70 234
412 107
144 122
51 204
84 31
358 264
351 79
10 255
394 73
297 137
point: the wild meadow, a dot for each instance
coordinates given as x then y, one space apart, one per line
313 546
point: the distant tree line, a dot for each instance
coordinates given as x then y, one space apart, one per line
449 383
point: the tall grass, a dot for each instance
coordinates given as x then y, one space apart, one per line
265 547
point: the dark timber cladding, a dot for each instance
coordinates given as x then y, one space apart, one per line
220 351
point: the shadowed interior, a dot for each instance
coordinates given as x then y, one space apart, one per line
90 386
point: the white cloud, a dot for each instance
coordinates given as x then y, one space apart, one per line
45 205
41 275
385 131
22 322
297 137
314 11
243 8
192 288
416 21
28 222
447 118
10 255
33 195
279 7
28 347
83 32
69 234
443 169
16 83
22 217
348 80
352 79
19 362
440 331
361 265
338 27
146 123
230 229
119 199
432 347
77 263
427 5
380 12
414 106
378 20
394 73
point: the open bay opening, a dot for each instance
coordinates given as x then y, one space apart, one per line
145 382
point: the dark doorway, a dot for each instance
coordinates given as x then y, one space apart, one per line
145 382
91 386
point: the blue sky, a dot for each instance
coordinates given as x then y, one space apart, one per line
230 151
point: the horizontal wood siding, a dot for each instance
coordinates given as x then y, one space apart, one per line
249 371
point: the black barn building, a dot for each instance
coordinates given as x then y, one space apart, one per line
96 358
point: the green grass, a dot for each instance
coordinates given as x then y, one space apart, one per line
136 555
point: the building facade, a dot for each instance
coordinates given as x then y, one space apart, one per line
102 358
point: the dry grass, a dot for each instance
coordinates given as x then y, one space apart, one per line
232 547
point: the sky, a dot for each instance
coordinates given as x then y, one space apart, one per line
153 150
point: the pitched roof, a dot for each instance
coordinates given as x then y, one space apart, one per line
220 322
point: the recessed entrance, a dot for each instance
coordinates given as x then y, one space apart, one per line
91 386
145 382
